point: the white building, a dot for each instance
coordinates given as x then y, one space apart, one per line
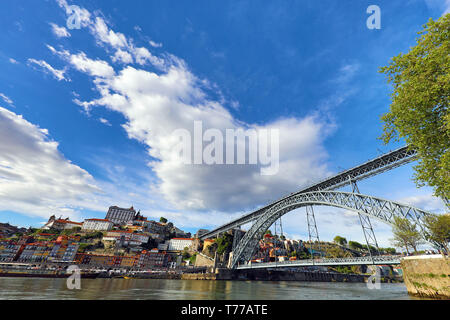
127 238
61 224
97 224
178 244
120 216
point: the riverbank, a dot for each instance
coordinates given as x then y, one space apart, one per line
282 275
219 274
427 276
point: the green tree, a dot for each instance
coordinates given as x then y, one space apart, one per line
163 220
224 243
438 229
389 250
186 254
355 245
419 110
340 240
405 234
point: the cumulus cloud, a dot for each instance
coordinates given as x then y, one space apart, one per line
122 56
60 32
35 178
155 104
58 74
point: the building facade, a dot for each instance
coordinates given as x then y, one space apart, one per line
97 224
120 216
127 238
61 224
178 244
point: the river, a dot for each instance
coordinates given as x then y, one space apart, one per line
154 289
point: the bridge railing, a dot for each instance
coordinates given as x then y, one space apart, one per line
325 262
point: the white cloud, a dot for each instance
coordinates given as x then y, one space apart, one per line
13 61
6 99
104 34
156 104
122 56
426 202
104 121
58 74
155 44
96 68
35 178
60 32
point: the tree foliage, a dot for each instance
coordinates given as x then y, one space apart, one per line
438 229
419 110
224 243
355 245
405 234
340 240
163 220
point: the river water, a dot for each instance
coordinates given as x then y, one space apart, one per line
154 289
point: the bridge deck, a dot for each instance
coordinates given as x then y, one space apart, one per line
377 260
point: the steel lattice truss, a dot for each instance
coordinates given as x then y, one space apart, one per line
390 260
373 167
381 209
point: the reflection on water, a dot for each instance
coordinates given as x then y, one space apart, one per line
26 288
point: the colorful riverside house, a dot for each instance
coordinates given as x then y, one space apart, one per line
36 252
109 261
10 251
128 261
153 259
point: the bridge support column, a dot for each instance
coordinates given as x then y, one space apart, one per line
312 231
366 225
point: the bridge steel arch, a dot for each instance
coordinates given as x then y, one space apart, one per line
380 209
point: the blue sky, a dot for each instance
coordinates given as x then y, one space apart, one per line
85 112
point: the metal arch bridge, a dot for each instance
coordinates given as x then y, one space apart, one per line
321 194
381 209
386 260
368 169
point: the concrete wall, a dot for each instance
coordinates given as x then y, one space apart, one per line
203 261
274 275
427 276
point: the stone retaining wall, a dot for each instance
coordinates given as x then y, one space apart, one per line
427 276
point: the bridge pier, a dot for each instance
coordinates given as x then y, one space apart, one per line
366 226
312 231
